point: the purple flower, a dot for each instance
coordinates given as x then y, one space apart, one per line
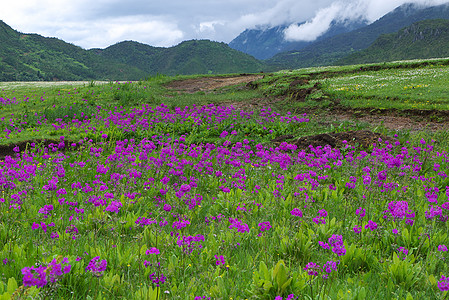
96 266
398 209
443 284
35 226
39 276
152 250
167 207
323 245
312 269
264 226
34 276
330 266
158 279
371 225
224 134
360 212
322 213
296 212
403 250
219 260
241 227
442 248
114 206
382 175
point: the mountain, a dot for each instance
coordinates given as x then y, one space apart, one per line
34 57
424 39
189 57
328 51
264 43
28 57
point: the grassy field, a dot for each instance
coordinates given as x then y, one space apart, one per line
143 192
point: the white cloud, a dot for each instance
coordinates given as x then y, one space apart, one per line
310 30
101 23
341 10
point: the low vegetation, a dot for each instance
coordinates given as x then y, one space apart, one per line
134 190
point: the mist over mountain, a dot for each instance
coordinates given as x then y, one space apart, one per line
263 43
328 51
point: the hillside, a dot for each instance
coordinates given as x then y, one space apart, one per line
424 39
189 57
31 57
27 57
328 51
264 43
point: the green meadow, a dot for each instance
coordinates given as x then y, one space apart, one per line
134 190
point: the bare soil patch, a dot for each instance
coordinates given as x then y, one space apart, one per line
363 139
206 84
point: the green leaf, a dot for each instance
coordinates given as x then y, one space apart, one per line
280 274
432 280
5 296
12 285
264 270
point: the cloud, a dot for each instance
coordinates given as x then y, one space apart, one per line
344 10
310 30
99 23
144 29
82 23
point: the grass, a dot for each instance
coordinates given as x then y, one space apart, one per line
146 193
412 85
394 88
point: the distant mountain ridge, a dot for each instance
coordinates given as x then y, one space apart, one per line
188 57
32 57
328 51
264 43
424 39
25 57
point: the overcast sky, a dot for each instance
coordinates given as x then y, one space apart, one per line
100 23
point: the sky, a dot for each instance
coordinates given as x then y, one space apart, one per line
101 23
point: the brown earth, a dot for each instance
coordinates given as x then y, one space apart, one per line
208 84
363 139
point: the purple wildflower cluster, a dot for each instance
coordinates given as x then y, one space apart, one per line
96 266
336 243
39 276
189 243
443 283
314 269
289 297
240 226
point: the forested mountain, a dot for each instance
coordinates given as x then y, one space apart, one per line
424 39
34 57
328 51
189 57
28 57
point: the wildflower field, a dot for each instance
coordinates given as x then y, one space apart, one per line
133 191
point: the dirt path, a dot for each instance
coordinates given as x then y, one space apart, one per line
210 83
